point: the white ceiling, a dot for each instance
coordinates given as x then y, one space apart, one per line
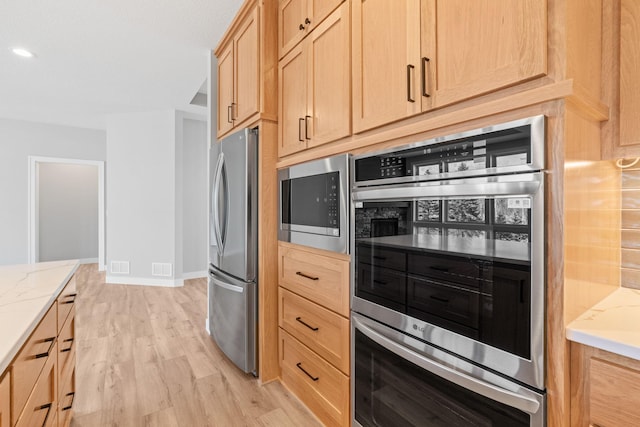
101 57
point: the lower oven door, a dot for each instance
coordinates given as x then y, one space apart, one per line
400 381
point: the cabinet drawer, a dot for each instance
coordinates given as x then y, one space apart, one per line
319 278
36 353
324 331
67 347
5 403
42 405
66 397
66 301
386 258
323 388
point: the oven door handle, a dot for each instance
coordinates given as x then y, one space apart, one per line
483 388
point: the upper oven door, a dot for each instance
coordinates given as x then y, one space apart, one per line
313 204
458 264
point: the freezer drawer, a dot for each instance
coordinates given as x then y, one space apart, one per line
232 319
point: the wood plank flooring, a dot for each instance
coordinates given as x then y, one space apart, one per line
145 359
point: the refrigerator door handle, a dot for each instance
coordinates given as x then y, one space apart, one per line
225 182
225 285
214 203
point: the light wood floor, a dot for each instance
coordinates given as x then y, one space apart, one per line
144 359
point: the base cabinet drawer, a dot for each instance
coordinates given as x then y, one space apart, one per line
29 363
322 330
42 405
66 396
320 386
319 278
67 347
5 402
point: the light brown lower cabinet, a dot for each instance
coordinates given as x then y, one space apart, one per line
605 388
323 388
38 387
5 401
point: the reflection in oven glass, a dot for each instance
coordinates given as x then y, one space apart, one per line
391 391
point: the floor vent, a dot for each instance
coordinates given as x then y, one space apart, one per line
119 267
161 269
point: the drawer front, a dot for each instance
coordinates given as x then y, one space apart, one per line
67 393
66 301
319 278
67 346
324 331
35 354
42 405
5 403
323 388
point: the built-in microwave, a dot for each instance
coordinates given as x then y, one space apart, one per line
313 201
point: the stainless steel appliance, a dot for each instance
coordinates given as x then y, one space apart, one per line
448 279
233 253
313 200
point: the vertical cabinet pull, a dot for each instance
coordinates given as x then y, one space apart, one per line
425 61
306 127
410 69
229 114
299 365
233 116
300 120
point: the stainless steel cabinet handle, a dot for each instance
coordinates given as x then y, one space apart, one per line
410 69
425 60
229 119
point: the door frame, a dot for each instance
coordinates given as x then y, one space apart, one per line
33 193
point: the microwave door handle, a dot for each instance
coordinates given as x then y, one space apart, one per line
214 203
483 388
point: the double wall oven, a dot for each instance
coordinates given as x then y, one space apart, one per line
447 237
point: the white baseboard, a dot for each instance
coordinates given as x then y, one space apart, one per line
143 281
88 261
194 275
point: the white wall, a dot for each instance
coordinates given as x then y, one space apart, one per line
195 188
68 212
18 141
141 195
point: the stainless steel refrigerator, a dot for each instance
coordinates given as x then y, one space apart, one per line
233 252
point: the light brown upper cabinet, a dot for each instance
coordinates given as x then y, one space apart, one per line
315 86
410 56
629 72
238 76
297 18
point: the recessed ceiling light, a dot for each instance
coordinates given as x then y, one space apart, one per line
22 52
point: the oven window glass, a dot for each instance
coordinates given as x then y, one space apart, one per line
391 391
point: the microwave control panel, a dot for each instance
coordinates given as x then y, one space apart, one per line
333 205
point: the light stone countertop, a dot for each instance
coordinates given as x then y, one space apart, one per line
26 293
612 325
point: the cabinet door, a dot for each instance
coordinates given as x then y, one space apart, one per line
246 70
225 90
330 79
291 24
629 72
5 403
292 102
484 45
386 61
320 9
